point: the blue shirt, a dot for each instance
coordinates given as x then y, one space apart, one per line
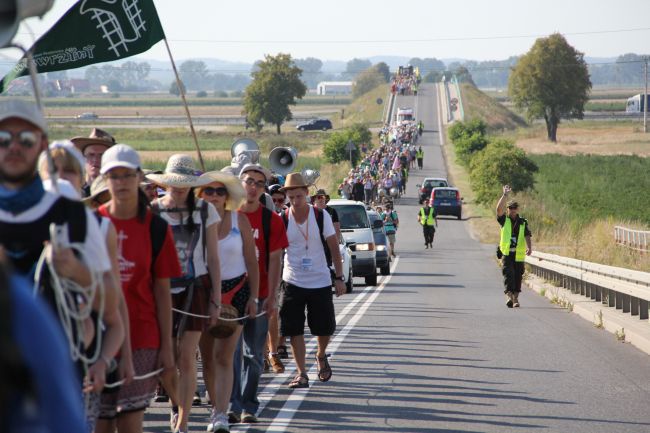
57 406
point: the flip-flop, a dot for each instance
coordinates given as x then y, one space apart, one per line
300 381
324 369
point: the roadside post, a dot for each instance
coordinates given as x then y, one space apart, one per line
350 147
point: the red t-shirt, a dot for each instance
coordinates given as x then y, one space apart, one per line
277 241
134 258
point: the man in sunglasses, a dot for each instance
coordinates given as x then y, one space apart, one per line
92 148
515 244
279 197
270 241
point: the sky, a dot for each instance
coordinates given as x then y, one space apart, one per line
343 29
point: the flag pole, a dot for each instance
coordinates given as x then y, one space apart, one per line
187 110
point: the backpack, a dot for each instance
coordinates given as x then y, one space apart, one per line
319 220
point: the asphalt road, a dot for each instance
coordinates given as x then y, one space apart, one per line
433 347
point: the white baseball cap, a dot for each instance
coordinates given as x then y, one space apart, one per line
120 155
24 110
255 167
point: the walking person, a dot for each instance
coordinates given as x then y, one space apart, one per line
307 282
270 240
147 261
92 148
391 222
427 218
420 157
514 244
239 288
194 224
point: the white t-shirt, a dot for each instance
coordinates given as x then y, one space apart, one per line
200 266
94 247
307 267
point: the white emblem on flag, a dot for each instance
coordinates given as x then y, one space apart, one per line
119 21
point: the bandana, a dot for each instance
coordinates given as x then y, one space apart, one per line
18 201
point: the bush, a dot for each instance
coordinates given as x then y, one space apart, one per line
500 163
334 148
201 94
468 138
221 94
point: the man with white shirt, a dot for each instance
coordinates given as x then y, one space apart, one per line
307 282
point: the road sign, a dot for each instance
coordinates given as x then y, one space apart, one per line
350 146
380 101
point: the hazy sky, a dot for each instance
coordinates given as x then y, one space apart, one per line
340 30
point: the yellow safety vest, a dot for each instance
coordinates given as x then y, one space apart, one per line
506 235
429 219
419 154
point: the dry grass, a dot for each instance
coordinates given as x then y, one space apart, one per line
597 138
364 109
478 105
331 175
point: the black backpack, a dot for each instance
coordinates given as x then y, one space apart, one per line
319 220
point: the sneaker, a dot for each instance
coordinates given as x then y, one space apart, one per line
515 300
276 364
509 302
282 352
234 418
218 423
248 418
173 418
160 396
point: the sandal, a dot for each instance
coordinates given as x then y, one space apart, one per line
324 369
300 381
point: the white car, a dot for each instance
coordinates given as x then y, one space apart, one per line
346 255
87 116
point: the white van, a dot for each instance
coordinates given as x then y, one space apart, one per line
356 230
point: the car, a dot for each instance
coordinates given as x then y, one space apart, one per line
382 245
356 230
346 256
424 190
447 201
87 116
315 125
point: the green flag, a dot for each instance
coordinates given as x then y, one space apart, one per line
93 31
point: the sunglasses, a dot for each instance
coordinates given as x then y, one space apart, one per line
221 191
278 200
27 139
320 196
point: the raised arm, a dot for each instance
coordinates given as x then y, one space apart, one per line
501 204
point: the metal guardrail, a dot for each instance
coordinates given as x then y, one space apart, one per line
450 116
623 289
390 107
633 239
460 99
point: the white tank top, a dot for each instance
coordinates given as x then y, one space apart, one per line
231 251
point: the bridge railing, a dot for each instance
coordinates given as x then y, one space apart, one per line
623 289
633 239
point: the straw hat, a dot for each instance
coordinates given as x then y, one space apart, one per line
180 172
97 136
321 192
97 188
293 181
236 192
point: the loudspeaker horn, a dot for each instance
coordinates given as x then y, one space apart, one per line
12 12
245 148
283 159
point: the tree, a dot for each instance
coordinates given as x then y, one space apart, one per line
468 138
551 81
276 85
366 81
173 88
384 70
356 66
427 65
500 163
194 74
311 70
334 148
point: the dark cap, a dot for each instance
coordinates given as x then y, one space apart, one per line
512 204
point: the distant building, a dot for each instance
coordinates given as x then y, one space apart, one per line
334 88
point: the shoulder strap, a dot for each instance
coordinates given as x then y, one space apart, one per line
157 233
319 220
266 230
204 218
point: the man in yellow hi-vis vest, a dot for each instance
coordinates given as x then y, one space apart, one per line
427 217
514 244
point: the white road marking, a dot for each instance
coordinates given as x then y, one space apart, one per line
442 142
291 406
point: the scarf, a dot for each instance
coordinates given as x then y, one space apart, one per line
18 201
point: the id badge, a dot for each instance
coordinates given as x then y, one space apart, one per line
307 264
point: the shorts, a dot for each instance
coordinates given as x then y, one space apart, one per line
136 395
320 311
198 304
240 297
391 237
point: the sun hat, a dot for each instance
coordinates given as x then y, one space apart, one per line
255 167
97 188
180 172
293 181
97 136
24 110
236 192
120 155
321 192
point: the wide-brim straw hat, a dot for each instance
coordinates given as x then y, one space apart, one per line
293 181
97 188
180 172
236 192
97 136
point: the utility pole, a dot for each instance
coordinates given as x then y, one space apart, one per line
645 96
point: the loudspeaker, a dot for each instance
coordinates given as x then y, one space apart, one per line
245 148
12 12
283 159
310 176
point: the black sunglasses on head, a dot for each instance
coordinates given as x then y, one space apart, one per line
221 191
